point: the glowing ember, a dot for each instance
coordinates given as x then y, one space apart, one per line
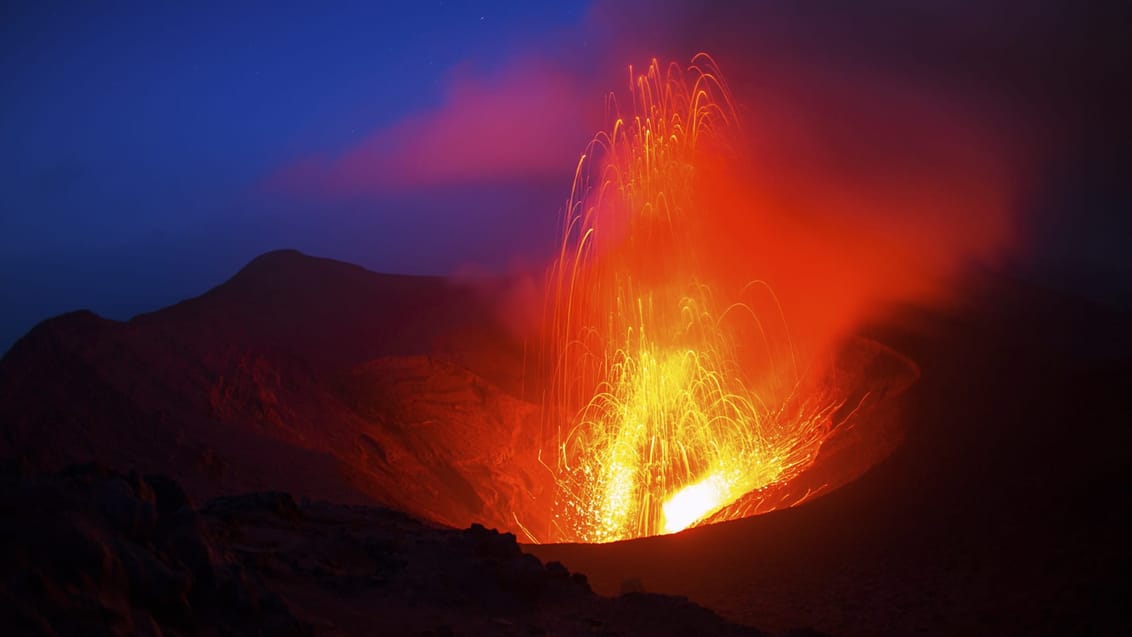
655 424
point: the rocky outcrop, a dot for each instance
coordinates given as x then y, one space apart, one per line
90 551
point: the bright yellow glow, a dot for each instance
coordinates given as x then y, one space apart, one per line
655 424
694 502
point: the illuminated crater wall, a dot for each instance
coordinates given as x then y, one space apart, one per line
675 388
695 361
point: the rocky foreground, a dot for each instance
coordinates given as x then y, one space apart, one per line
90 551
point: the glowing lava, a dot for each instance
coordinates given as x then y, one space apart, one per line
655 424
694 502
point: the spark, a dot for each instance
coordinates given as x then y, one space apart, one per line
654 423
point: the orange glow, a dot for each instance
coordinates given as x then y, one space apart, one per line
665 406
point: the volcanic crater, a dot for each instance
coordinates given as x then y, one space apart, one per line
333 383
399 390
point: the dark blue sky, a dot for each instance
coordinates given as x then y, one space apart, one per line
151 149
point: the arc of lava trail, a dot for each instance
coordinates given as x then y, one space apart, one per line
655 425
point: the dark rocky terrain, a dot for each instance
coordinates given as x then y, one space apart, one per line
89 551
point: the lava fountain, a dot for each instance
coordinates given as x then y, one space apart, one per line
669 400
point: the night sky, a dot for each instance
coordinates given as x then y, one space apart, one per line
151 149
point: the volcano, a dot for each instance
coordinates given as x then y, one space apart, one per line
957 494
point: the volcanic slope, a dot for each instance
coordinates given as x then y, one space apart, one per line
300 374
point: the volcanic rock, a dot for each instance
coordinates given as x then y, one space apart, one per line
85 552
262 564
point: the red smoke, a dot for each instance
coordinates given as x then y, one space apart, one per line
523 123
850 194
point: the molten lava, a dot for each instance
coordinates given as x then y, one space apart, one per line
665 407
